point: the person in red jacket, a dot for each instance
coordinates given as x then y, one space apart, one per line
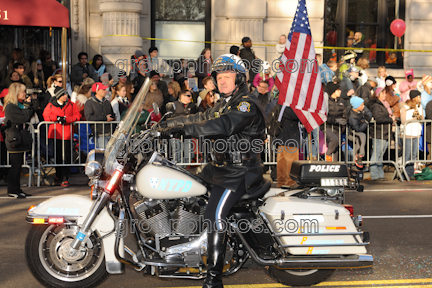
64 112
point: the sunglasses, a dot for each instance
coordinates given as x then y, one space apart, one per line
61 81
188 95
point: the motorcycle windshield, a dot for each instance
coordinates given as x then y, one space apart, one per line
125 129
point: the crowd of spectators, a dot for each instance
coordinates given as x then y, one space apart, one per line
355 99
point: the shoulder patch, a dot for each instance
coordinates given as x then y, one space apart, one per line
244 106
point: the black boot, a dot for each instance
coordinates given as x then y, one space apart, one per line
216 258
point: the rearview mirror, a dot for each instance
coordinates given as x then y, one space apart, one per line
156 108
170 107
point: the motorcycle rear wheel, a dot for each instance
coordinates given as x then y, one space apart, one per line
46 247
300 277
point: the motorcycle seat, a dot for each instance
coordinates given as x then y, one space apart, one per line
261 191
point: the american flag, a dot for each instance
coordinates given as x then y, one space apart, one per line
298 78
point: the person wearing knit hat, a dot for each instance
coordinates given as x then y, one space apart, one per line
408 85
153 51
63 112
365 91
336 107
390 80
356 102
414 93
412 112
358 117
139 54
332 88
59 92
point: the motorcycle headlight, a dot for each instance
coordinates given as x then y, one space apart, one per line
334 182
93 167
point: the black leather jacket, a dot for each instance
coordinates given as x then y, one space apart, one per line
239 119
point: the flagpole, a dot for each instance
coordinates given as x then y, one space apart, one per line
310 146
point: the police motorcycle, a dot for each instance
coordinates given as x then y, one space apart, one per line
299 237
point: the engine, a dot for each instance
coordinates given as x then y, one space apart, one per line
171 217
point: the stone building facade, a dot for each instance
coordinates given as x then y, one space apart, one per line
115 28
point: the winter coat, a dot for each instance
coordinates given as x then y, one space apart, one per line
248 55
119 105
68 110
203 70
412 129
78 71
381 116
239 119
97 110
364 91
336 109
290 133
280 48
258 78
14 116
155 96
345 85
405 90
182 109
428 131
393 100
201 108
358 121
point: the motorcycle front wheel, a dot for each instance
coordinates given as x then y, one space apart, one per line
47 256
300 277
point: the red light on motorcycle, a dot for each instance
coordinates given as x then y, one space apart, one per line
350 208
55 220
113 182
31 207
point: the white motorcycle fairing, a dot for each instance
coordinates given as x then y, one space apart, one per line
75 208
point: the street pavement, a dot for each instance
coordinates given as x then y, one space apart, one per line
397 215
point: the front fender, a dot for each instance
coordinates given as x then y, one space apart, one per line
75 208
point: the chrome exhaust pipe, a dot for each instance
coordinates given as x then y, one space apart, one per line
308 262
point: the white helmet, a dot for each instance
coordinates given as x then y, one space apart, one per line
229 62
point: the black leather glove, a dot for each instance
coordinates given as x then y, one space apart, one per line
172 132
61 120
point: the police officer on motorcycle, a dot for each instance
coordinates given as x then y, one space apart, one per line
238 119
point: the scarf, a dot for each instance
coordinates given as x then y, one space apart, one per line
387 105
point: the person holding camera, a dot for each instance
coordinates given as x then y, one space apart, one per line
18 110
64 112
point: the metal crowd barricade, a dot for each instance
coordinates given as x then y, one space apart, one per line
47 148
28 162
347 146
424 157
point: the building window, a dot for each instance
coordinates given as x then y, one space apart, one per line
187 20
370 17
